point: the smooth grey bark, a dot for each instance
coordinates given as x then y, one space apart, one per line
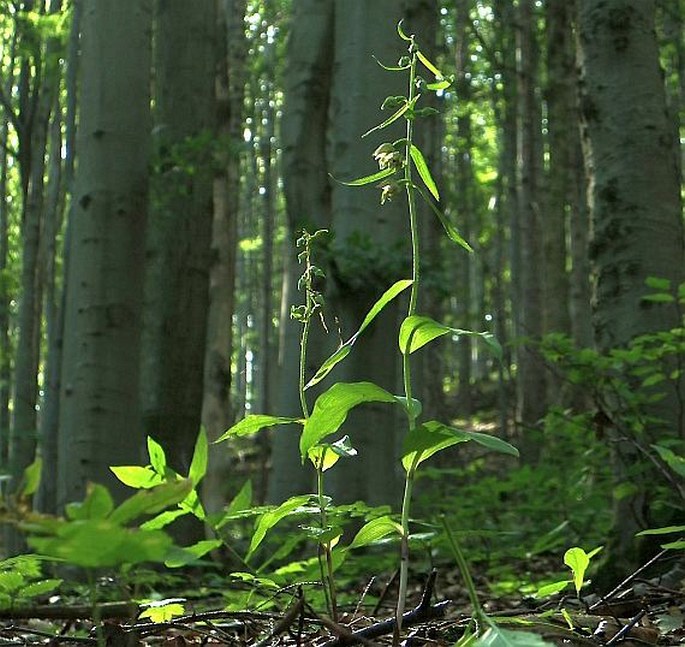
530 376
43 88
635 204
100 421
179 228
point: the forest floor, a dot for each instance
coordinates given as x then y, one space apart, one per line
640 612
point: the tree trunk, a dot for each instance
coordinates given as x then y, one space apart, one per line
100 421
631 160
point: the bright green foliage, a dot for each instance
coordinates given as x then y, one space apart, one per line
374 530
578 561
21 580
497 637
163 610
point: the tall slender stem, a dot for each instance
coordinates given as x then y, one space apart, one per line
406 365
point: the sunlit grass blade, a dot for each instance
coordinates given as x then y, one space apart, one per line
344 350
424 171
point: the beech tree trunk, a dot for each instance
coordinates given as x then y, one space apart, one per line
100 421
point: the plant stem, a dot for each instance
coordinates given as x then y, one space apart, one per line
406 365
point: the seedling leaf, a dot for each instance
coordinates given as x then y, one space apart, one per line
269 519
551 589
331 409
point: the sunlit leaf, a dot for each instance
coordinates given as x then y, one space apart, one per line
31 478
137 476
42 587
331 453
152 501
97 504
551 589
198 464
331 409
436 72
417 330
578 561
164 612
254 423
163 519
394 117
344 350
424 171
157 456
374 530
428 439
269 519
439 85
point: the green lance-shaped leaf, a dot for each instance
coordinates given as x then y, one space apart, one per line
666 530
157 456
417 330
31 477
179 557
370 179
439 85
374 530
269 519
254 423
436 72
198 464
345 348
424 171
551 589
137 476
428 439
394 117
331 409
401 33
152 501
497 637
451 231
578 561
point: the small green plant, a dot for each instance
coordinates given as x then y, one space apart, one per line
22 581
578 561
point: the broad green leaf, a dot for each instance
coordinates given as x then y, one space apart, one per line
152 501
657 283
188 554
428 439
254 423
331 409
497 637
331 452
163 519
673 460
424 171
242 500
163 611
551 589
97 504
578 561
269 519
417 331
493 443
370 179
374 530
451 231
42 587
31 479
413 408
157 456
666 530
345 349
436 72
198 464
393 118
102 543
136 476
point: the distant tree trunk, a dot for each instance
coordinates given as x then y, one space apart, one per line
631 160
29 316
179 230
531 376
217 414
100 420
307 193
